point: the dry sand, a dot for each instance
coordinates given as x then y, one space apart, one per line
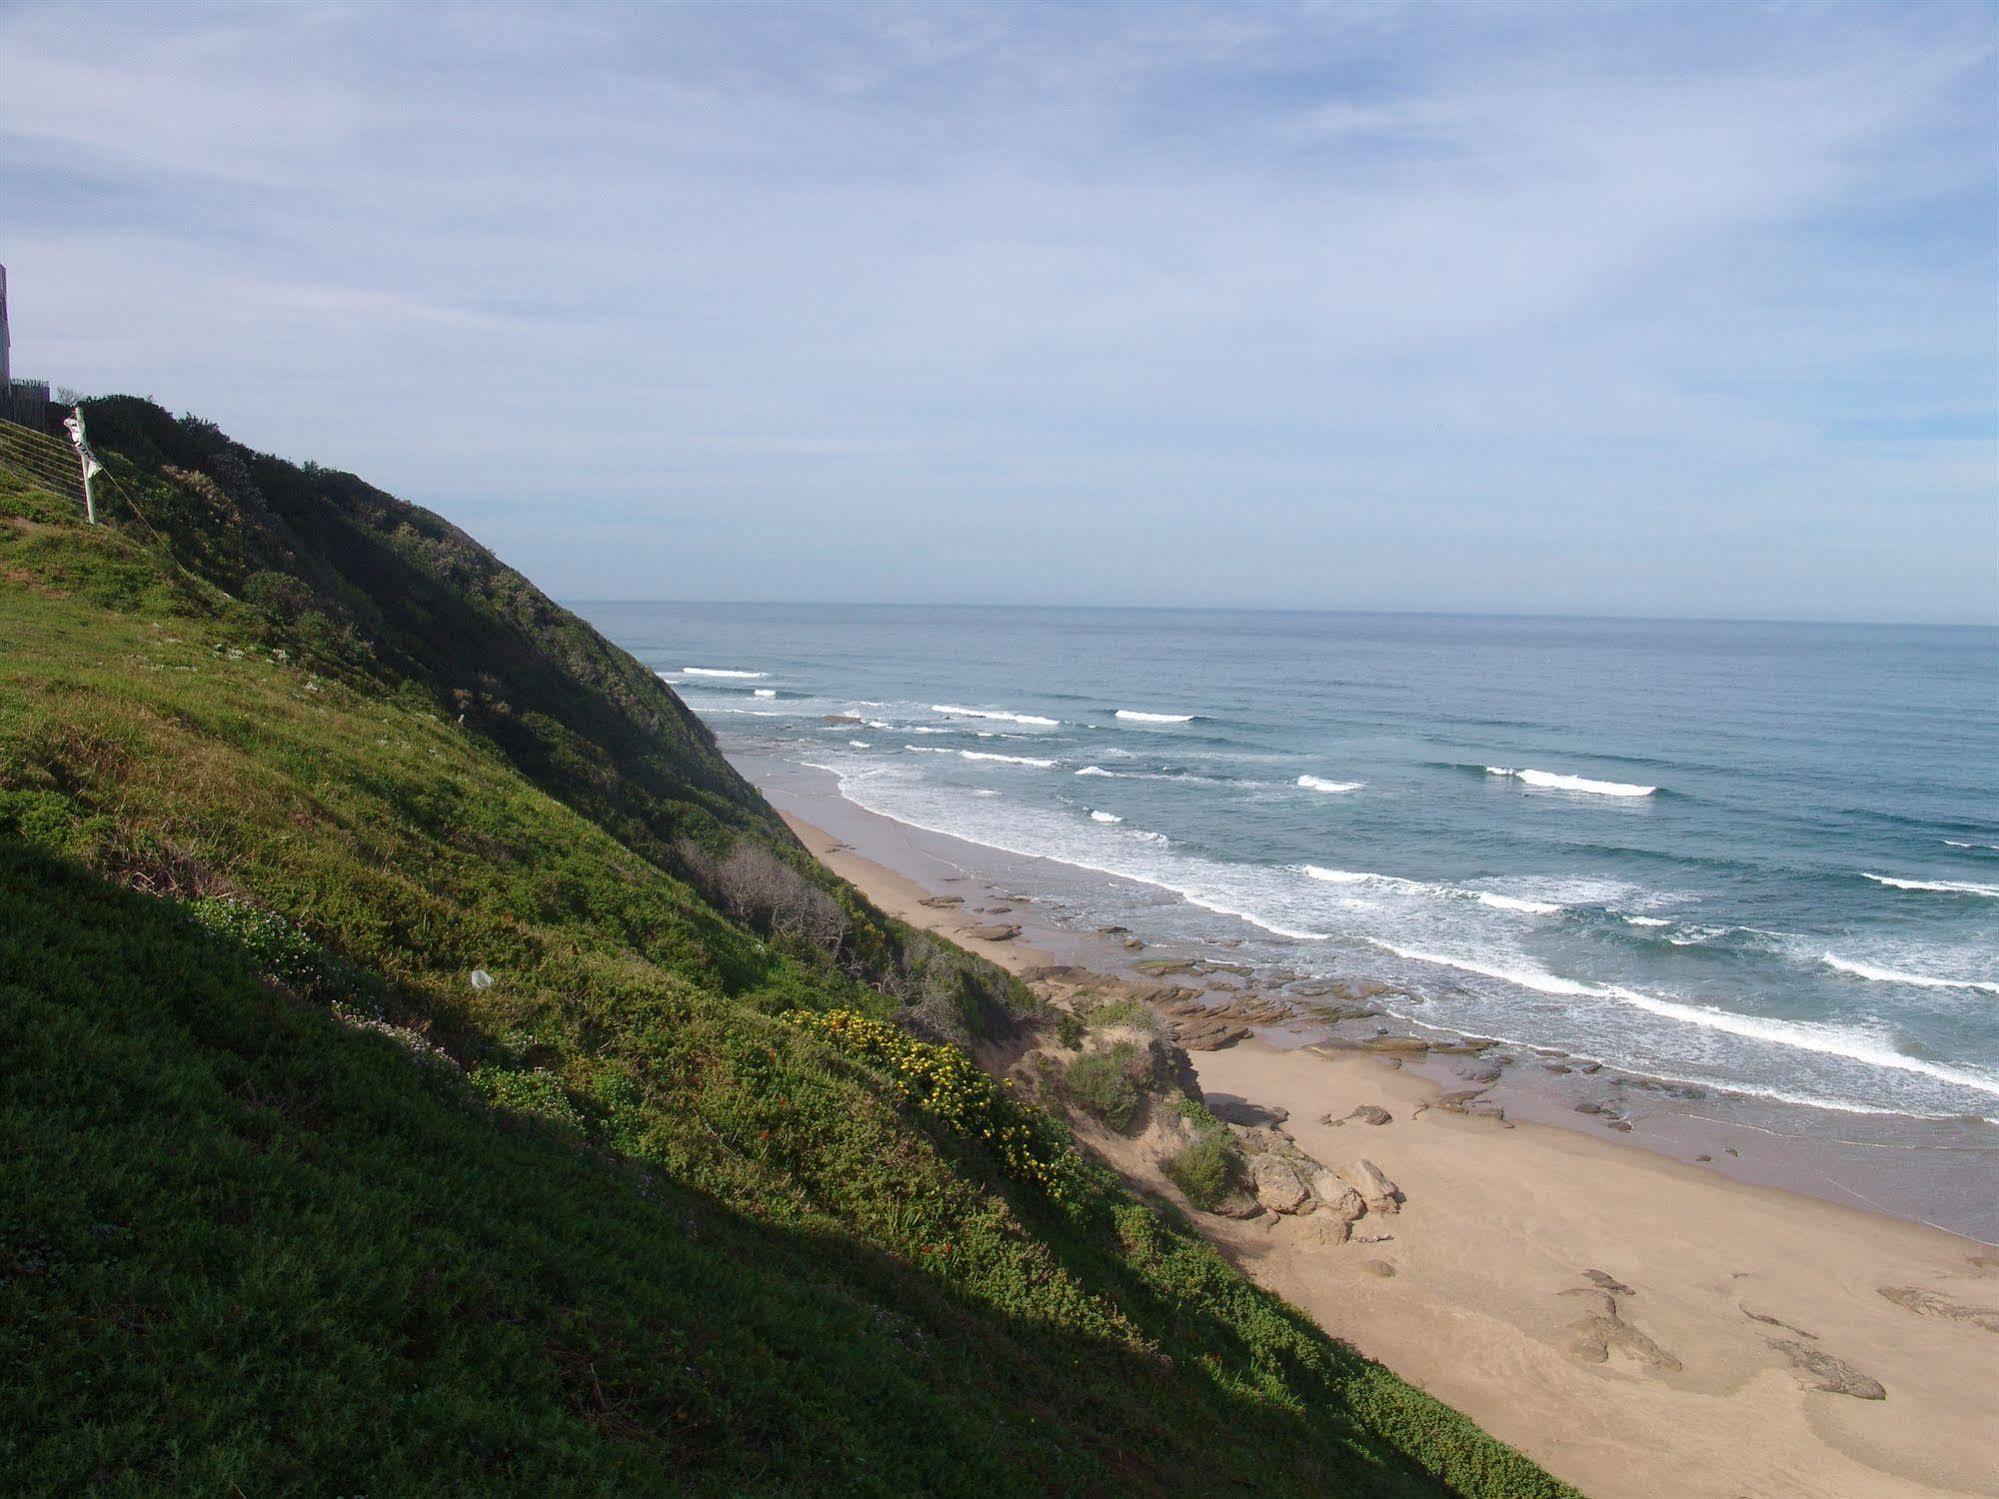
1691 1385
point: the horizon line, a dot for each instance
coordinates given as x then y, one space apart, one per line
576 601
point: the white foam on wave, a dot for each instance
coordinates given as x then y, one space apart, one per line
721 671
1960 843
1799 1035
1352 876
1185 884
1549 780
999 714
1320 783
1132 715
1095 770
859 744
965 754
1938 887
1096 816
1515 903
766 692
985 791
1644 920
1897 976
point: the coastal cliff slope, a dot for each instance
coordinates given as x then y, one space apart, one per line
424 1063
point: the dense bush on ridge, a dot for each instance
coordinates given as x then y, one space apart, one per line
292 1206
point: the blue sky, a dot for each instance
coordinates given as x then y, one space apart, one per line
1687 309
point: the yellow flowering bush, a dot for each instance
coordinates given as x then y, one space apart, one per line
944 1083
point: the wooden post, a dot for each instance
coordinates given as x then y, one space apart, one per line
84 461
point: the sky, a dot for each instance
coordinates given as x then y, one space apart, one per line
1671 310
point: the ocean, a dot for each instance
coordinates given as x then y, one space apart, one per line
1762 859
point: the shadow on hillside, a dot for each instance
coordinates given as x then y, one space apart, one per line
241 1240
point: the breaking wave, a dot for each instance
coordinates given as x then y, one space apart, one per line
1896 976
999 714
1096 816
720 671
1396 882
1132 715
1549 780
1517 903
1320 783
1939 887
1818 1037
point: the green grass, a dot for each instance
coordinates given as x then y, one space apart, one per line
290 1205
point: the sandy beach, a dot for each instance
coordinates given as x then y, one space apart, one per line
1640 1325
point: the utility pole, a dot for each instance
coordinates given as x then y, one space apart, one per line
86 460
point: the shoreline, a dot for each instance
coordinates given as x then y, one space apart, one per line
1732 1290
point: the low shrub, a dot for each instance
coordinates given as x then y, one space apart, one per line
755 886
1130 1012
1107 1083
1197 1114
946 1085
1206 1170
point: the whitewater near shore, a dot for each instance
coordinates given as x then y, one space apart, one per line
1640 1325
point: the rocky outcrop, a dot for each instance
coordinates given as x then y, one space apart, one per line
1285 1180
1200 1025
1366 1113
1238 1205
999 931
1277 1184
1368 1180
1208 1035
1337 1201
1471 1103
942 902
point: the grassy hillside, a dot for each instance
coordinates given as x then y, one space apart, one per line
293 1203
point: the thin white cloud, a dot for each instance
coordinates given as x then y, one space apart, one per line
1346 270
